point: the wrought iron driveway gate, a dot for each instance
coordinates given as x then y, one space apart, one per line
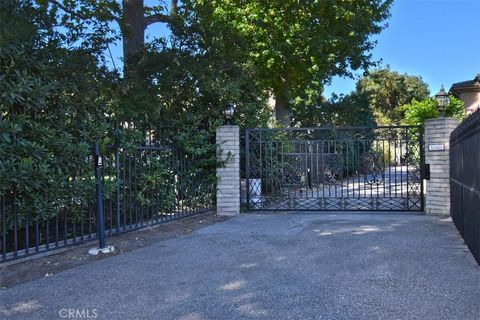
351 168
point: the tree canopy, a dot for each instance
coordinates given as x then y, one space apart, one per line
248 49
295 46
388 90
107 20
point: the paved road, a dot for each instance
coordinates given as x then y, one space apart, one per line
296 266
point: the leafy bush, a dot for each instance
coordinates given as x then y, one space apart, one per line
417 112
50 107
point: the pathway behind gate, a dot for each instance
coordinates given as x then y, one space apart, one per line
295 266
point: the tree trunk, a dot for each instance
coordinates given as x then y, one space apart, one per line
282 111
133 32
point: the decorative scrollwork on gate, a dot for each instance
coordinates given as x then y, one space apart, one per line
373 168
365 168
330 170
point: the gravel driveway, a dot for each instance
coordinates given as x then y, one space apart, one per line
295 266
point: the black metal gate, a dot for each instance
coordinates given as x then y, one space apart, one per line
465 181
350 168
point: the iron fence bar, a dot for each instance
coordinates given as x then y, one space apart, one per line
15 226
4 227
154 191
358 178
74 232
422 164
130 203
151 204
140 168
37 235
184 186
384 160
181 203
317 168
364 148
247 166
56 230
162 184
178 195
353 172
135 194
110 192
390 168
159 158
401 166
81 222
261 164
100 222
407 168
27 243
104 161
89 222
65 231
171 163
117 184
148 192
395 165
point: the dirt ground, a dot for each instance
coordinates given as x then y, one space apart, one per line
14 274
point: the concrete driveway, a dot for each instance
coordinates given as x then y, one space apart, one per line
296 266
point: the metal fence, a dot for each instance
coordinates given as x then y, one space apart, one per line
323 169
465 181
143 182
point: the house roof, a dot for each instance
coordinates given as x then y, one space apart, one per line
470 84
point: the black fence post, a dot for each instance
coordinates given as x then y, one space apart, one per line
247 166
117 177
97 159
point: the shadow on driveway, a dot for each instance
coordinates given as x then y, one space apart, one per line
295 266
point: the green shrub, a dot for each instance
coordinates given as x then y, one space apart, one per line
418 111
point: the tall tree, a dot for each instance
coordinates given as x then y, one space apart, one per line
339 111
388 90
298 44
133 17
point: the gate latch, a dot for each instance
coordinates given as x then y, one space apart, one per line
426 171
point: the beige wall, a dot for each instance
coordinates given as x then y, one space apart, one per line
471 100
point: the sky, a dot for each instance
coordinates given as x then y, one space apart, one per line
438 40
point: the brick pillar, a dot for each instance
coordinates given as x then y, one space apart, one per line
437 147
228 176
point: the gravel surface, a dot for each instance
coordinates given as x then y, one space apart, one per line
295 266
